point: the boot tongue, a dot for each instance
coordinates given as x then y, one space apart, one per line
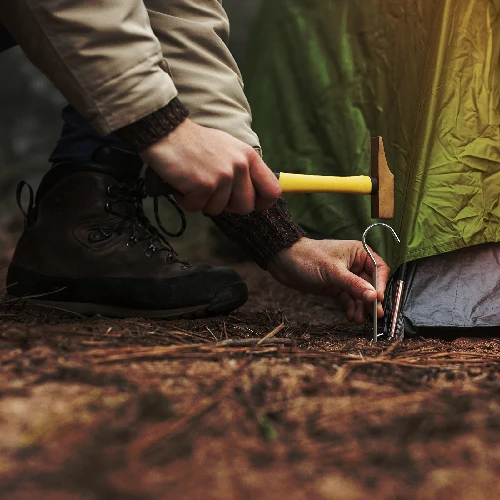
125 165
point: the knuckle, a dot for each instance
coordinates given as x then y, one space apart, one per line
250 152
226 174
241 166
210 186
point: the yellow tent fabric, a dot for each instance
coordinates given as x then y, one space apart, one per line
323 76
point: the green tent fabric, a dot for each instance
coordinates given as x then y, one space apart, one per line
322 76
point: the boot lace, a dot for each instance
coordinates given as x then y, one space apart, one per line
126 203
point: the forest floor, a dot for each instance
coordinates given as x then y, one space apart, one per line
95 408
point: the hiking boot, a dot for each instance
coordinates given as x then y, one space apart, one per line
88 247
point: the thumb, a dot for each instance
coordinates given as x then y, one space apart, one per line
355 286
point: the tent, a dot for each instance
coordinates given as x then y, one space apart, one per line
323 76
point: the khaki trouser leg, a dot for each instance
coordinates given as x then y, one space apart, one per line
193 35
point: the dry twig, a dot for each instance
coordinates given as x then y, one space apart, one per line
272 333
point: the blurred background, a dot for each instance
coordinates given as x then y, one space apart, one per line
30 122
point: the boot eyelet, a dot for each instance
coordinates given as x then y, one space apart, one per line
107 206
131 242
150 251
109 190
93 236
100 234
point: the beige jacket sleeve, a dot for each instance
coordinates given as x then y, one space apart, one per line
102 55
194 35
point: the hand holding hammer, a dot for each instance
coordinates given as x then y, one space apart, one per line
379 185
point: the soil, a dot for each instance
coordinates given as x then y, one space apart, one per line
95 408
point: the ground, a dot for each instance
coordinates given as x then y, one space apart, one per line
93 408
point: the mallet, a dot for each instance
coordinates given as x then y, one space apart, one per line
379 185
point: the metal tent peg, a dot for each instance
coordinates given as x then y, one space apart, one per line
376 335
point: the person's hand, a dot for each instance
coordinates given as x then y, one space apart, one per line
212 171
335 268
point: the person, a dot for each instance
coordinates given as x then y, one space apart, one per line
152 81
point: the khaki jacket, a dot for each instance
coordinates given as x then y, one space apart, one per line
117 61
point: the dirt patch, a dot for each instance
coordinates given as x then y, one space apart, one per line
93 408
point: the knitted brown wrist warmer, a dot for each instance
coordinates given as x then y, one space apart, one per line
262 234
153 127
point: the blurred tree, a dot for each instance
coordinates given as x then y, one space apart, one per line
242 14
29 117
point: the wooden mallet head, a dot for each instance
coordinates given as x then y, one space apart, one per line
382 181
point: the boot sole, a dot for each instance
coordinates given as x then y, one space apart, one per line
220 304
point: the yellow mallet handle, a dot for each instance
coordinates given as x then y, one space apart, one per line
300 183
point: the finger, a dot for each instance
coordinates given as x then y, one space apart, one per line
359 313
265 182
369 278
263 204
348 304
219 201
380 309
194 201
383 272
354 285
242 200
369 305
179 198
